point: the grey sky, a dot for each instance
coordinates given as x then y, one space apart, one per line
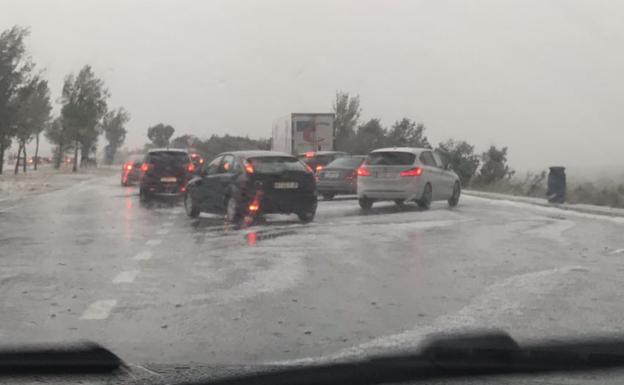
542 77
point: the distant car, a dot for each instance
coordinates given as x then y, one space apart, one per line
131 170
319 159
406 174
165 172
339 176
251 183
197 160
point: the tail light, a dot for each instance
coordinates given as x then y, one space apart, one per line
417 171
363 171
309 154
128 166
319 168
254 206
190 167
145 167
249 168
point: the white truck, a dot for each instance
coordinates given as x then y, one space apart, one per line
299 133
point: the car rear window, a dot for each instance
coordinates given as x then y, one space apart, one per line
276 164
346 162
168 157
390 158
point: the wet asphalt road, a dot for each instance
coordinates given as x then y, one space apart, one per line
90 262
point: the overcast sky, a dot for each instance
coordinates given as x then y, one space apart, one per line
545 78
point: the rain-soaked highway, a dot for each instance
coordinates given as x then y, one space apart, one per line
89 262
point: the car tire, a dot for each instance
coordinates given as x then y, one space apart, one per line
425 201
232 211
454 199
328 196
144 196
399 202
189 205
365 203
307 216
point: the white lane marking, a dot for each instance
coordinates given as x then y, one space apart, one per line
153 242
126 276
99 309
143 255
162 232
618 251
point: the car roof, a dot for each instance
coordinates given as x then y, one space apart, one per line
167 150
256 153
413 150
323 152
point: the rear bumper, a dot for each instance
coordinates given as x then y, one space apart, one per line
389 190
286 204
338 187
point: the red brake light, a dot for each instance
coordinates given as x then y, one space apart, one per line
417 171
190 167
201 160
249 168
128 166
254 206
319 168
144 167
363 171
309 154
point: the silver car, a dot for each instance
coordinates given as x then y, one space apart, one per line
406 174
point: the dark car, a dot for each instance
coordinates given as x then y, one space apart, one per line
339 176
251 183
165 172
319 159
131 170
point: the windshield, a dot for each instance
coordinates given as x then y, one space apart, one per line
230 184
276 165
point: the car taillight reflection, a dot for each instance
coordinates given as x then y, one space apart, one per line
145 167
363 171
417 171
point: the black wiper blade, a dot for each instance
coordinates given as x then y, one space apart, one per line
452 356
73 359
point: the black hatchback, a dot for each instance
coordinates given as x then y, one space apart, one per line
165 173
251 183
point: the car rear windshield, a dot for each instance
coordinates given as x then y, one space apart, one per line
390 158
168 157
276 164
346 162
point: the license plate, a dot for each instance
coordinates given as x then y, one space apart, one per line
169 179
285 185
385 175
331 174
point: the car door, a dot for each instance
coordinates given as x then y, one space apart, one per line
205 188
447 177
432 172
228 171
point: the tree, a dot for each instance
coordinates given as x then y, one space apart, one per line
347 111
369 136
494 167
84 100
58 133
184 141
114 131
160 134
460 156
15 67
406 133
34 113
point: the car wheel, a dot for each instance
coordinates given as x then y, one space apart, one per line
454 199
144 195
307 216
399 202
328 196
365 203
189 206
425 201
232 211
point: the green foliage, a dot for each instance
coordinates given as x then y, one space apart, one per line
33 109
461 157
406 133
347 111
184 141
215 145
160 134
494 167
370 135
113 125
84 100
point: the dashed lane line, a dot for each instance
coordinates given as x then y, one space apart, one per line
153 242
618 251
99 310
143 256
126 276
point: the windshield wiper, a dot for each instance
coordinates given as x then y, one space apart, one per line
452 356
74 359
